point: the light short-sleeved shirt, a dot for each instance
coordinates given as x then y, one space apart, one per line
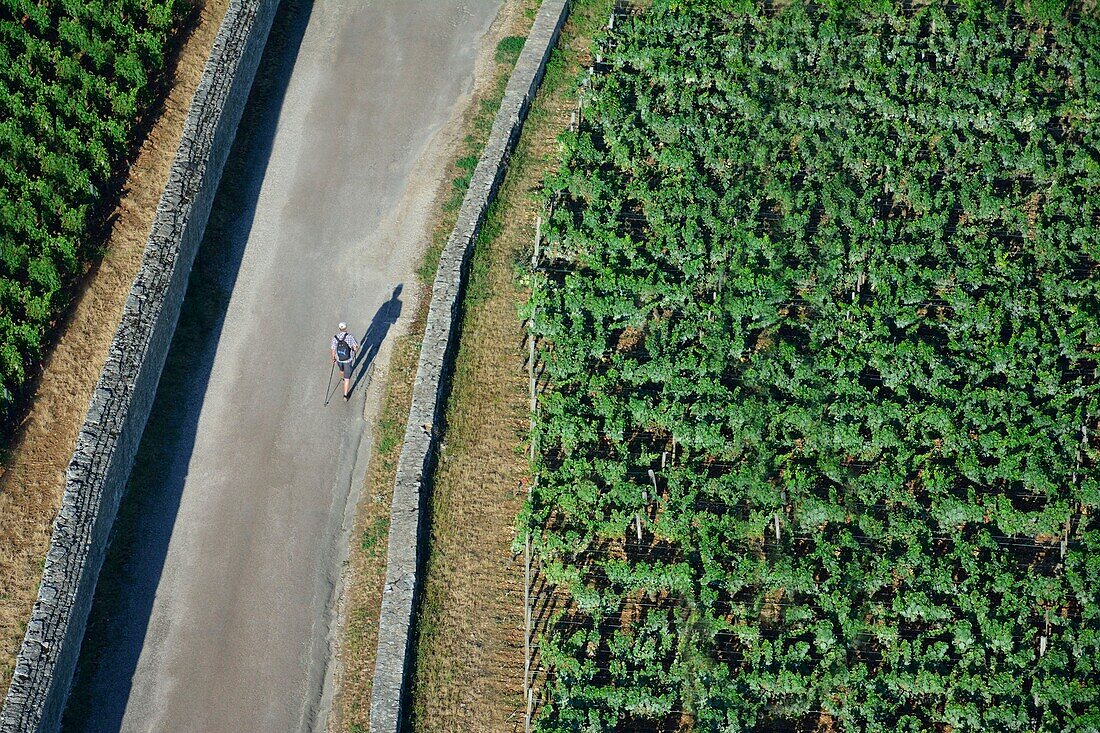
346 337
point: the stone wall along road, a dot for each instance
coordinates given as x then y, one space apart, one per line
121 402
405 554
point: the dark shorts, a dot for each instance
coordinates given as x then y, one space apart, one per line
345 367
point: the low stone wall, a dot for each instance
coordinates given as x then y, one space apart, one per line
109 438
411 489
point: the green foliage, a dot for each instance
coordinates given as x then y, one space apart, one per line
509 48
389 435
74 80
832 274
373 537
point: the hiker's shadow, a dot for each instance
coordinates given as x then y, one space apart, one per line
384 318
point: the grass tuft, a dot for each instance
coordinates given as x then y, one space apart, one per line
389 434
509 48
373 537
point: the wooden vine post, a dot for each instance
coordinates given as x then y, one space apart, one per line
527 630
528 686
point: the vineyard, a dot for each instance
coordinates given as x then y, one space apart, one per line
76 76
818 325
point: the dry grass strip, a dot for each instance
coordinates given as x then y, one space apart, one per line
366 572
469 666
32 477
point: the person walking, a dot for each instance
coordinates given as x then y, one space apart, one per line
343 349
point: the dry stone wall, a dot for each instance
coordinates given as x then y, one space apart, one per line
120 406
404 560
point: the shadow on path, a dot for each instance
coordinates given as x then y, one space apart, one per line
386 315
139 541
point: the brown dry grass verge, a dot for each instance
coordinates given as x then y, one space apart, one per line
366 570
469 665
32 477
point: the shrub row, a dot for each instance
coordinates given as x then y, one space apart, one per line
76 76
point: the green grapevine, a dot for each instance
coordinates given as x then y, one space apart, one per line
832 273
76 76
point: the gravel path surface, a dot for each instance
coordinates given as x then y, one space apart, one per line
221 613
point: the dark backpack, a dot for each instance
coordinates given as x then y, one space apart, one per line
343 349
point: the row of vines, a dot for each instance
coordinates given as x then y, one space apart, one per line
76 76
819 327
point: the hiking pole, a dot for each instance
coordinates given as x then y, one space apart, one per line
328 384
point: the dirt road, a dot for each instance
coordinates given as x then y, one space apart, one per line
215 610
